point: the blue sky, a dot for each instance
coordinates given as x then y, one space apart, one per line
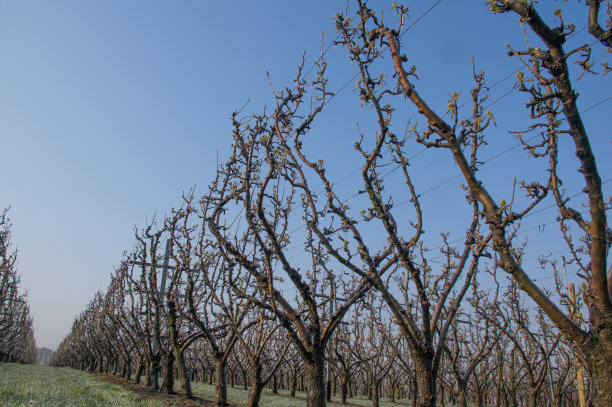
110 110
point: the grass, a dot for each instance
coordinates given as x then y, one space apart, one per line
268 399
29 386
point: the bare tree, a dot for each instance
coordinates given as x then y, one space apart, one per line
373 344
554 110
17 342
263 182
348 360
468 346
219 315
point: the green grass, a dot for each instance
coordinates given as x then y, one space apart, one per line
29 386
268 399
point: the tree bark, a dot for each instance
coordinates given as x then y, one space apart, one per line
128 370
220 382
244 379
315 377
343 388
413 390
182 374
393 392
139 371
426 381
478 400
293 384
148 370
462 398
168 386
256 387
123 369
99 365
375 394
601 368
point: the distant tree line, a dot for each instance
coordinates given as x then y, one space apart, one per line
276 277
17 342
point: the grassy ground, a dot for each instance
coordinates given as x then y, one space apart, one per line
28 385
268 399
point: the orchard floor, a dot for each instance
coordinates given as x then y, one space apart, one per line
28 385
237 396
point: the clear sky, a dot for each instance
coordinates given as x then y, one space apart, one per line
110 109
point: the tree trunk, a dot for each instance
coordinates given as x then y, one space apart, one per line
343 388
182 374
293 384
128 370
274 384
513 400
478 401
244 379
461 396
99 365
220 382
498 389
168 386
256 387
155 373
426 381
124 369
413 391
149 375
375 395
139 371
315 382
392 392
599 356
